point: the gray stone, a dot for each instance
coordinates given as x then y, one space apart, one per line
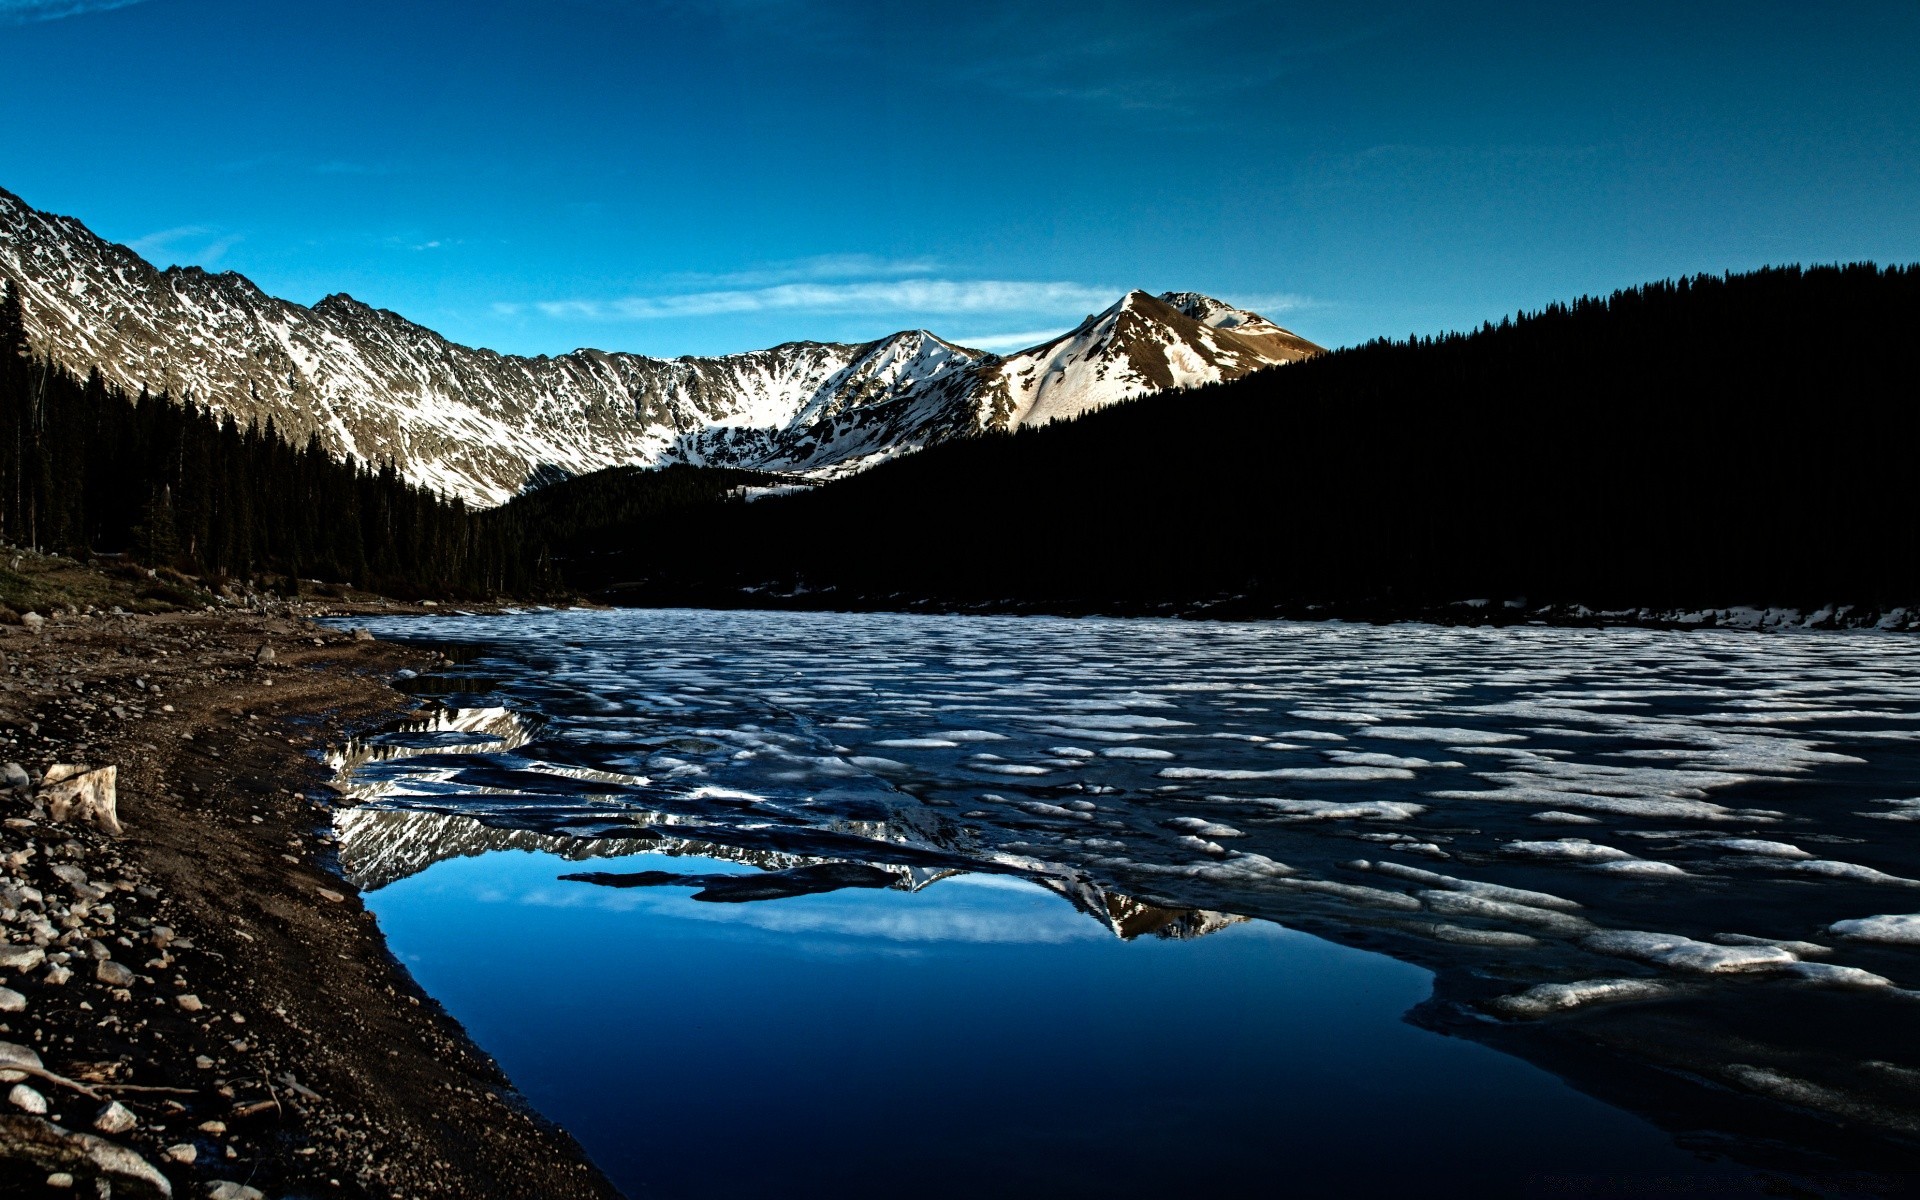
21 959
26 1099
14 777
12 1054
180 1152
265 656
33 621
226 1189
113 974
12 1001
115 1117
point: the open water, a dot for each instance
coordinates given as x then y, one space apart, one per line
853 904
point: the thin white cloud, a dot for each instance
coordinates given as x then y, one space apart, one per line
19 12
810 270
865 296
1011 341
167 247
1271 304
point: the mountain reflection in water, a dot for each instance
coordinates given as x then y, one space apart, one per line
1633 857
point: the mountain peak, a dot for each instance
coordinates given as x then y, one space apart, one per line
479 424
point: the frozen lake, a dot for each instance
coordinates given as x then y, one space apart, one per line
864 902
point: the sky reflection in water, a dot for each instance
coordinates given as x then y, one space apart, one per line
979 1036
1636 857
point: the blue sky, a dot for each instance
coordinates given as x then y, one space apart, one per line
679 177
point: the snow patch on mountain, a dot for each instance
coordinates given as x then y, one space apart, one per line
484 426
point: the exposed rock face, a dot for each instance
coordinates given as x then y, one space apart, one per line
483 425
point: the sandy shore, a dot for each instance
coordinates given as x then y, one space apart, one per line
207 971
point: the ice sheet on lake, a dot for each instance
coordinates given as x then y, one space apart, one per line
1704 782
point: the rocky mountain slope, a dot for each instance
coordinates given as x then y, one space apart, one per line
483 425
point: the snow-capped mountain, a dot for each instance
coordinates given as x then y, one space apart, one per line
483 425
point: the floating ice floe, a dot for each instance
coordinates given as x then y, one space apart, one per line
1896 929
1244 868
1838 976
1898 810
1467 904
1362 758
1640 867
1802 949
1493 891
1204 828
1548 998
1529 793
1451 737
1462 935
1358 774
1573 849
1686 954
1832 869
1332 810
1759 846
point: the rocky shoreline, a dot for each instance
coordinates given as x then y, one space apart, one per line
200 1005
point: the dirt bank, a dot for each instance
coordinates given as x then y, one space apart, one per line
206 970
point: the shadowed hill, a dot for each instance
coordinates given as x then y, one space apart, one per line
1709 441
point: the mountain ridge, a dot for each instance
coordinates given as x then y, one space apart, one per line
473 422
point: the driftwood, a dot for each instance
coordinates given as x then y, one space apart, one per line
74 793
52 1148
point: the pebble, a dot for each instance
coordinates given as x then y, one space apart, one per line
15 1055
115 1117
59 1179
21 959
58 973
336 897
26 1099
189 1002
112 973
180 1152
226 1189
12 1001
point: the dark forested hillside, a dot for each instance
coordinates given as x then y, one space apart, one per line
1712 441
1715 441
85 467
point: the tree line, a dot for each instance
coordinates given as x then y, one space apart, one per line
1694 443
1702 442
86 467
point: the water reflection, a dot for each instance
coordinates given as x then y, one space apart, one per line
1628 854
